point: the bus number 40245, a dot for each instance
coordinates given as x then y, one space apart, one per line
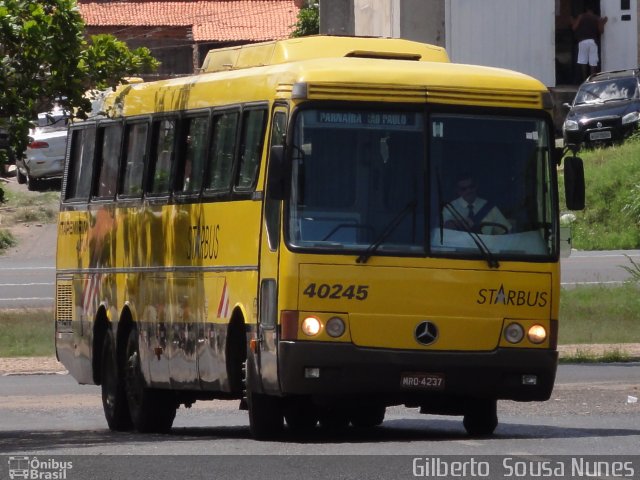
337 291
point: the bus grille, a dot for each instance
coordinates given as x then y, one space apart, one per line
64 301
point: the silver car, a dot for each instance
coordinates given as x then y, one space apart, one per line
44 158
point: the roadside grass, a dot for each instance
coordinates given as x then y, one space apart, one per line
611 218
26 333
583 355
600 314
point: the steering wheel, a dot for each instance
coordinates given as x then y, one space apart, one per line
503 228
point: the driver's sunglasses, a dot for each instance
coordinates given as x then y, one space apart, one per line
468 186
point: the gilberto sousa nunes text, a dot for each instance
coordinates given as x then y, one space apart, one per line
522 467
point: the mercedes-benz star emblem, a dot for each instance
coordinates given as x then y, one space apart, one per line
599 124
426 333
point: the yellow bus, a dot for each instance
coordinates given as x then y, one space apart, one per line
294 227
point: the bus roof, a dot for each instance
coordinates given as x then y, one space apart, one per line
297 49
332 68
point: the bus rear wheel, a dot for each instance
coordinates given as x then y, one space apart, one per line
152 411
114 397
481 417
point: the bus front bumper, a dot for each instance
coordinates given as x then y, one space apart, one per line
332 369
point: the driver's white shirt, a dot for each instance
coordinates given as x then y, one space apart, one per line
493 216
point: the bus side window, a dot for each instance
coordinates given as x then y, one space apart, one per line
162 155
193 148
252 141
80 173
109 154
222 149
133 161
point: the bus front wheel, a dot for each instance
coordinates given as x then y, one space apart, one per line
152 411
114 397
368 416
266 419
481 417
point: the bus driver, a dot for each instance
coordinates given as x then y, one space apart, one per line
470 212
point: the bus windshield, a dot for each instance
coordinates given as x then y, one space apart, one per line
391 182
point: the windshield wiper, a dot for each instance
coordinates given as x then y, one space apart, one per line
388 230
491 260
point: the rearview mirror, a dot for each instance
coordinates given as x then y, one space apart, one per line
574 183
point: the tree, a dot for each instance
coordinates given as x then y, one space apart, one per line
308 21
46 61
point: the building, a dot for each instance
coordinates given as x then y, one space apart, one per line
179 33
533 37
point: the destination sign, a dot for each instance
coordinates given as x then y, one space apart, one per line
366 119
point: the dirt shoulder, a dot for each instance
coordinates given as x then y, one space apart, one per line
49 365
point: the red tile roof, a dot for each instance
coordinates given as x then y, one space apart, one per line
211 20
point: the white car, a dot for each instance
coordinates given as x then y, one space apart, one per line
44 158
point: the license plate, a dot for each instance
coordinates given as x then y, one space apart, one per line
422 381
599 135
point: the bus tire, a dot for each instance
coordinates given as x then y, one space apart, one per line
266 419
114 397
334 419
481 418
151 410
301 415
368 416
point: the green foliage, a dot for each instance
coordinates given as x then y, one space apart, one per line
45 60
7 240
611 218
308 21
633 269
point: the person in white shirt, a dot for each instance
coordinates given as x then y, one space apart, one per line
471 212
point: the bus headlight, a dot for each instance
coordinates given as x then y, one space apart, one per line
514 333
311 326
335 327
537 334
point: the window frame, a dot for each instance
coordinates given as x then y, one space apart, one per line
129 123
79 127
101 126
152 156
210 194
181 151
246 192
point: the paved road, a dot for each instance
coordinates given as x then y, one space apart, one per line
599 267
27 273
589 413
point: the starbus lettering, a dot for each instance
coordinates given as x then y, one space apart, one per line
204 242
518 298
73 227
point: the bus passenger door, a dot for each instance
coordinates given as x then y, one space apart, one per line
267 360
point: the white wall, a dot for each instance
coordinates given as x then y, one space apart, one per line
377 18
514 34
619 51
